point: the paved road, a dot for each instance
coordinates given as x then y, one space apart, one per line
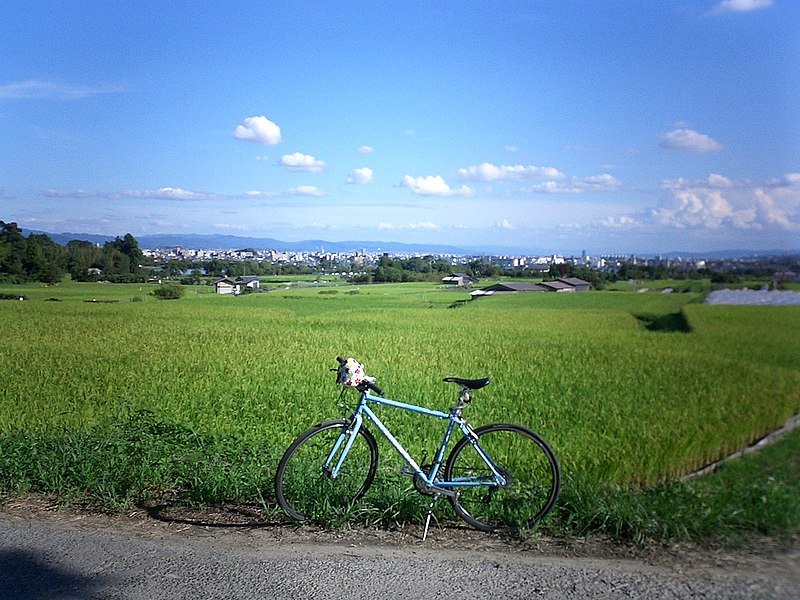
69 555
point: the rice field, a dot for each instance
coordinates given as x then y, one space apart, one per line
630 389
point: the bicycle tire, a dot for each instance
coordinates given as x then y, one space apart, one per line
524 458
306 492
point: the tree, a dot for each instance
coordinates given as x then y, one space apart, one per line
35 258
45 259
12 250
80 257
388 274
129 247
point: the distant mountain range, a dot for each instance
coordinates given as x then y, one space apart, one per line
233 242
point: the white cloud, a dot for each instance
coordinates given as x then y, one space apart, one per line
504 224
555 182
362 176
433 185
603 182
306 190
426 225
701 208
715 180
301 162
622 222
792 178
512 149
366 150
689 140
490 172
259 130
34 89
165 193
178 194
577 185
259 194
740 205
423 225
770 214
740 6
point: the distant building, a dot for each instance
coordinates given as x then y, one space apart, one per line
569 284
508 288
579 284
248 281
459 279
557 286
225 285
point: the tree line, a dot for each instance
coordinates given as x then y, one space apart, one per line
38 258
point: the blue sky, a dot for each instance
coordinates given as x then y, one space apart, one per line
553 125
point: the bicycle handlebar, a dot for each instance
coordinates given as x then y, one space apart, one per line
373 387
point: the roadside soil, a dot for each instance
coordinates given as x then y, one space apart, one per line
311 562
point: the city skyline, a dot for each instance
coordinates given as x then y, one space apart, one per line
619 127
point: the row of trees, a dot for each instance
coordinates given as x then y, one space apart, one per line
425 268
39 258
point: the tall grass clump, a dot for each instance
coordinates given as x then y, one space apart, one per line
134 459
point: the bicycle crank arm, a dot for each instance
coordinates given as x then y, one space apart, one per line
435 489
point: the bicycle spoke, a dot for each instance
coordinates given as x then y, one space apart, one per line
306 490
526 462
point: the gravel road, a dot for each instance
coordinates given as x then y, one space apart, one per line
68 554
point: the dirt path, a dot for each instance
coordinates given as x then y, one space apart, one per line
60 554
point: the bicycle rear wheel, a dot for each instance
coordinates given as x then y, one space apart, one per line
523 458
306 491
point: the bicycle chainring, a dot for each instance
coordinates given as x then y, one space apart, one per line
422 487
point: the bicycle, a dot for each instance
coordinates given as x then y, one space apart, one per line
497 477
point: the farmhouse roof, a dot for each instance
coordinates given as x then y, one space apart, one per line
514 287
574 281
557 285
459 277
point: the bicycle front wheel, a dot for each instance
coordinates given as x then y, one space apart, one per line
527 463
304 486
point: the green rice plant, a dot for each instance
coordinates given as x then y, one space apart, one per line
624 407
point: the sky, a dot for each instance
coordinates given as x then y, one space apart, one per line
549 126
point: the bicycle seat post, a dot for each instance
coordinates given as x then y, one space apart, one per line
464 398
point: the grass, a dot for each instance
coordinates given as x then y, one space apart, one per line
758 494
132 459
115 403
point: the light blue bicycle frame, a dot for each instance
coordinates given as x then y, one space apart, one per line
348 436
